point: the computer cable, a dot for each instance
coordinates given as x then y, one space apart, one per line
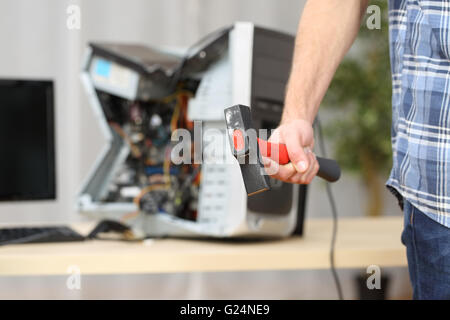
334 213
105 227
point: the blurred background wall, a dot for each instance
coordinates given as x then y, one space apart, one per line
36 43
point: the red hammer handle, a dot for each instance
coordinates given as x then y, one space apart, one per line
265 148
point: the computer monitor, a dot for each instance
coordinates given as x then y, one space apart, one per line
27 147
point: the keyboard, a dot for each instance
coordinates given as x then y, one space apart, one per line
38 235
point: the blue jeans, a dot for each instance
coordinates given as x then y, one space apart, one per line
428 251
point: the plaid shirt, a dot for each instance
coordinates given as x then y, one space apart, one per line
420 63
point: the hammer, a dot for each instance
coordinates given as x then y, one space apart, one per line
247 149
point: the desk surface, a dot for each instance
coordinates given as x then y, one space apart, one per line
361 242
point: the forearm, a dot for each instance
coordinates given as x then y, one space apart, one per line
326 31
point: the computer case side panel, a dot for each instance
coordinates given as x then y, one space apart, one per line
272 55
114 150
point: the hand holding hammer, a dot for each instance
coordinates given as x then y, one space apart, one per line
298 165
296 161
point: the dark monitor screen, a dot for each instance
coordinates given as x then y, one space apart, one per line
27 151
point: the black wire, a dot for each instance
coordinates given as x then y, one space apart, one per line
335 216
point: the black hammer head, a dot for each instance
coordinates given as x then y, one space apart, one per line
244 146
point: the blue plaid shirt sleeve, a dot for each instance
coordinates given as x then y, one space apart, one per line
420 63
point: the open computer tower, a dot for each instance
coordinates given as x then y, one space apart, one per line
139 94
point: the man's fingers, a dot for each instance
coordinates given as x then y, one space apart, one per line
296 153
288 173
308 176
313 169
271 167
277 171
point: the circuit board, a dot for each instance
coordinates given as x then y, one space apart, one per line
148 177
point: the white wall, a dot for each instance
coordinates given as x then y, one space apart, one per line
36 43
